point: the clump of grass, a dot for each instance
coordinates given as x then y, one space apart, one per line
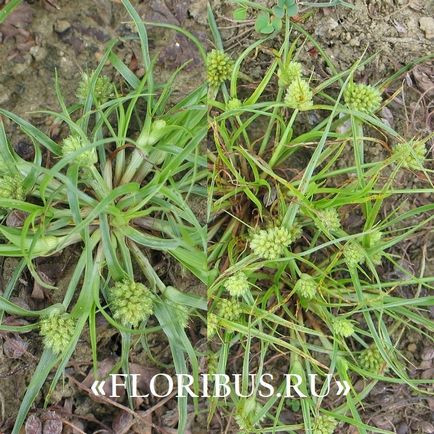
320 299
120 187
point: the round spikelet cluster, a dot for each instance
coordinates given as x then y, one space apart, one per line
130 302
354 254
234 104
57 330
212 325
182 314
11 187
324 424
229 309
290 72
73 144
306 286
370 359
374 238
343 327
271 243
219 67
410 155
298 95
237 285
362 97
330 219
103 91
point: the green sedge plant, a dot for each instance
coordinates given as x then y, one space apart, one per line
296 284
120 187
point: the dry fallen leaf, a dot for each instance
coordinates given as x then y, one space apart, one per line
145 374
424 78
17 22
122 422
53 423
33 425
104 368
14 347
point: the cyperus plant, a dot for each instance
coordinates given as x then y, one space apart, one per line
119 188
301 209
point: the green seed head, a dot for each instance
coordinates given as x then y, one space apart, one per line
234 104
306 286
73 144
57 330
324 424
376 258
219 67
212 363
289 73
362 97
130 302
410 155
11 187
374 240
237 285
182 314
271 243
212 325
330 219
370 359
104 88
296 231
246 414
229 309
354 254
299 96
343 327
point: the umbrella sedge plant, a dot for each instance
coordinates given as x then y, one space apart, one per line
120 186
299 289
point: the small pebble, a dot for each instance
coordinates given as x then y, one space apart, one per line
426 24
412 348
402 428
428 374
425 427
61 26
38 53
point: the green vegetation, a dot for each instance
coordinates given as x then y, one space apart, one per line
120 186
291 169
300 237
